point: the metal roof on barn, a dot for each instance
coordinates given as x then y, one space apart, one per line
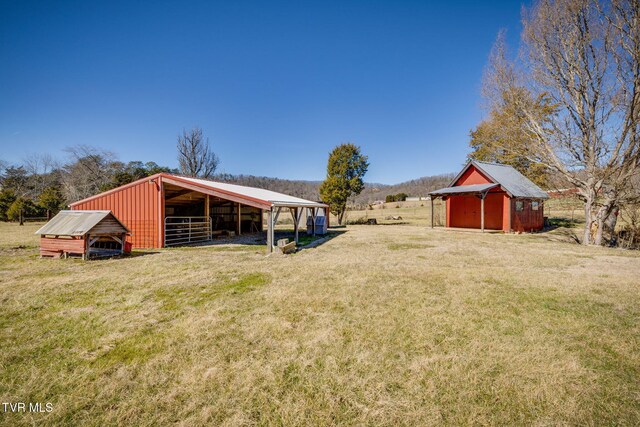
75 223
249 195
272 197
511 181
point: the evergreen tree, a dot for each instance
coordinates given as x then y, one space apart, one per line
345 170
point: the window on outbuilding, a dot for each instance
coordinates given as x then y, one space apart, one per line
519 205
535 205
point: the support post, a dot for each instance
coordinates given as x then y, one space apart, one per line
239 224
85 255
207 216
296 220
327 213
482 211
269 230
161 214
431 211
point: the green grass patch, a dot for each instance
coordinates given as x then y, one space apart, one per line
565 222
137 348
305 239
179 297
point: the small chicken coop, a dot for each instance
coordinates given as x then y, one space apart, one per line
88 234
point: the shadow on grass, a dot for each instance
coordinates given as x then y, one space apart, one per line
253 241
309 242
562 229
563 222
136 254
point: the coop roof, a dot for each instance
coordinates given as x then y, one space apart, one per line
75 223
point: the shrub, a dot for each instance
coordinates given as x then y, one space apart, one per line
21 206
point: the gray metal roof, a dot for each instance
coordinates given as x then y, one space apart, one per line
271 197
462 189
74 223
511 181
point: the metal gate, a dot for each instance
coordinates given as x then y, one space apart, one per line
183 230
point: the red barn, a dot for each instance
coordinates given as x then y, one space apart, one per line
166 210
493 196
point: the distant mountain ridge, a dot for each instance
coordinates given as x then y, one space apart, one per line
310 189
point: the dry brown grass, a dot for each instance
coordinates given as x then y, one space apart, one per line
382 325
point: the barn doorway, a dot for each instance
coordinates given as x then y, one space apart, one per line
466 211
193 217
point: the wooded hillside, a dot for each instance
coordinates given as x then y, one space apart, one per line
310 189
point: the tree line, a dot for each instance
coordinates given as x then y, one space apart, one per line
40 185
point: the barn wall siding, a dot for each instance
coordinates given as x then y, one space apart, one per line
506 212
527 219
466 210
137 207
55 245
472 176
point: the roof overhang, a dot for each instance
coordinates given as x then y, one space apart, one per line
237 197
464 190
299 205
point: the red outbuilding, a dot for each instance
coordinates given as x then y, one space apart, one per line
167 210
492 196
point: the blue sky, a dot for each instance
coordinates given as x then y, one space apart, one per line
275 85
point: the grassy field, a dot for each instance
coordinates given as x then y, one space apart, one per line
380 325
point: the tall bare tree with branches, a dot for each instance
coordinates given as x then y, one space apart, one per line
88 172
195 156
583 58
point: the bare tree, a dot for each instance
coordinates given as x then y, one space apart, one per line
195 156
89 171
584 57
40 167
